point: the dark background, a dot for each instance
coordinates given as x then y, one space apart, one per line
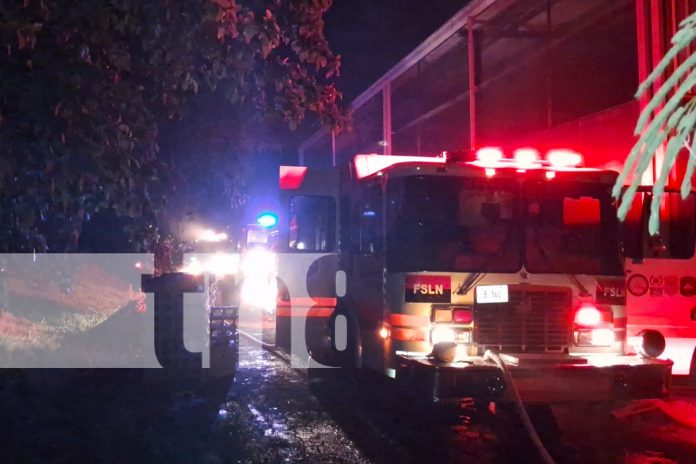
373 35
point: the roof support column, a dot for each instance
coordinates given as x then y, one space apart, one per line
333 148
646 53
387 118
642 29
471 52
657 30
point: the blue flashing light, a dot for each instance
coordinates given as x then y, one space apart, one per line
267 219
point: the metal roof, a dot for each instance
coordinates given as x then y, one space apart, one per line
451 27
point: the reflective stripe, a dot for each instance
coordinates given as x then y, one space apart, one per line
315 311
316 301
404 334
409 327
620 323
411 353
409 320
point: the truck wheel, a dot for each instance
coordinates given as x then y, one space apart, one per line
346 345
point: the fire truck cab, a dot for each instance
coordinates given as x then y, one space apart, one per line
448 259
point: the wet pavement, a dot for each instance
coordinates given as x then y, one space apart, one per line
276 414
326 416
330 415
271 407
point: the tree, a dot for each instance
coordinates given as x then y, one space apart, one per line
669 120
87 86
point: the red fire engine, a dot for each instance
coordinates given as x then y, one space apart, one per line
661 275
453 263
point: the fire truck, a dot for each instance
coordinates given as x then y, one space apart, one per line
661 275
457 263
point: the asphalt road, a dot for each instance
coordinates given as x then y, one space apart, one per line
276 414
289 415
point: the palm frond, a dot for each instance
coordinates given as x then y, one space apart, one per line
667 121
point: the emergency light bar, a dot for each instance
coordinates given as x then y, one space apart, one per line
489 155
368 165
561 158
527 158
489 158
267 219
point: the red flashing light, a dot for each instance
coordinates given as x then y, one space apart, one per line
526 156
489 155
563 158
462 316
368 165
291 177
588 315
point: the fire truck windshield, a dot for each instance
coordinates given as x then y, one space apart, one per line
443 223
463 224
570 227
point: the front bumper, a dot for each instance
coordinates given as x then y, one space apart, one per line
538 378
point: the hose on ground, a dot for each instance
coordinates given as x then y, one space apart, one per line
531 431
255 339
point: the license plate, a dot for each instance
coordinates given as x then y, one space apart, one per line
492 294
463 336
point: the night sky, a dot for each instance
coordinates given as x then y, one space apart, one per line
373 35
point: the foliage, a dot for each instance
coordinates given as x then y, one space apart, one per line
87 86
669 118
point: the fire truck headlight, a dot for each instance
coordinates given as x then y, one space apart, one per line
650 344
259 261
442 334
259 294
193 267
595 337
221 265
210 235
603 337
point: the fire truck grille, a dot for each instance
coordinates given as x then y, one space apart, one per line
531 321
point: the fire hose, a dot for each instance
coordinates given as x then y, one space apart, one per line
522 410
488 355
255 339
